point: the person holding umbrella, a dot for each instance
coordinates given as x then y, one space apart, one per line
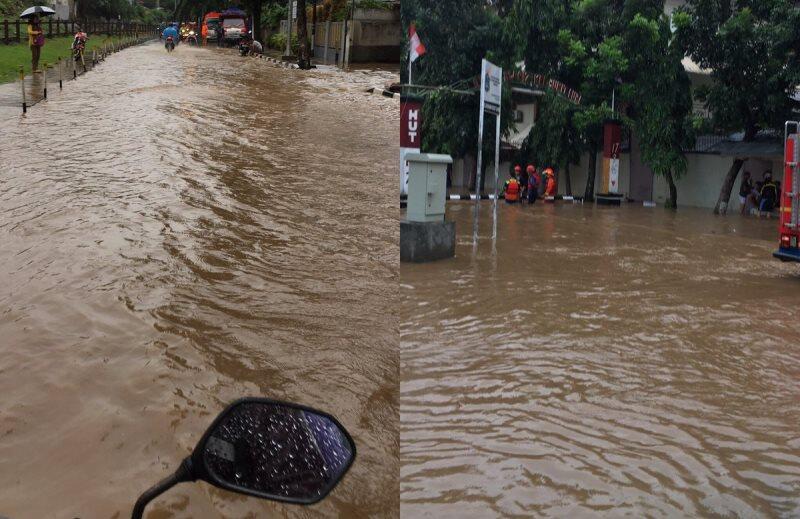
35 32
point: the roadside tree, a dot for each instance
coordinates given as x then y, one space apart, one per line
751 48
661 106
457 35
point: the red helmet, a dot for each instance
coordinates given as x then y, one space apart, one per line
530 169
517 168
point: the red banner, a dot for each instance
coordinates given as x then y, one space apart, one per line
611 140
410 124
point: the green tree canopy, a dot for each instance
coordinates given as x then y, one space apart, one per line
457 35
751 49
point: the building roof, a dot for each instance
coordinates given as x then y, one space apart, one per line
693 68
763 146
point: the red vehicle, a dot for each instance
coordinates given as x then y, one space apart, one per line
210 26
789 248
234 22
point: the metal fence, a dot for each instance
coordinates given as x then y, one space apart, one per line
704 143
16 31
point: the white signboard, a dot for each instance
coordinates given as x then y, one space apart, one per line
613 176
294 10
491 87
404 169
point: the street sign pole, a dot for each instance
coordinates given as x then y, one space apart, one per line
479 166
496 171
491 90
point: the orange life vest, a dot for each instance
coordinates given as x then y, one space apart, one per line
512 190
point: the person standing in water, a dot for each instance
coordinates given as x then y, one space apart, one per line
522 175
550 183
745 188
533 183
512 189
36 41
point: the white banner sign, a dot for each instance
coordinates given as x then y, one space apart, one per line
491 87
613 176
404 169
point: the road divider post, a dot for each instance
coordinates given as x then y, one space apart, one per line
22 82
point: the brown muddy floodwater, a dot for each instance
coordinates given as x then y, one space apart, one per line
177 231
601 361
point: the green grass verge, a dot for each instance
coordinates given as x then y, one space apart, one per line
14 55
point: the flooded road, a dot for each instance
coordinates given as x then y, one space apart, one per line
601 361
178 231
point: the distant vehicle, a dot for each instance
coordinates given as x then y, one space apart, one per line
211 22
235 28
789 246
186 29
234 22
244 46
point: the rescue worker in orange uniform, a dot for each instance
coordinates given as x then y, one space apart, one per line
512 189
550 185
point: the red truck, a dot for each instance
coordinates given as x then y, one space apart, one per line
789 247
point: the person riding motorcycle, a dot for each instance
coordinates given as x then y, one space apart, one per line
79 45
244 44
172 30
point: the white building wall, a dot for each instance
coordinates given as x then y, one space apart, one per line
701 184
699 187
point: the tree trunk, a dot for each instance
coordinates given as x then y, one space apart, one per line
304 55
672 203
588 194
568 180
727 186
257 36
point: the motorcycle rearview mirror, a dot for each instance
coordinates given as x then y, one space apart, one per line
267 449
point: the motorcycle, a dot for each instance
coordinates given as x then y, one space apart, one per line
244 47
267 449
78 47
191 38
170 44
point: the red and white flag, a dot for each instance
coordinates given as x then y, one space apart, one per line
416 49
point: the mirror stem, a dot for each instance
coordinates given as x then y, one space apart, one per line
183 473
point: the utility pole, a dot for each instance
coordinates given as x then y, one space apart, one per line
313 25
289 30
346 50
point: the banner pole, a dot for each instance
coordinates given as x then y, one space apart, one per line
496 171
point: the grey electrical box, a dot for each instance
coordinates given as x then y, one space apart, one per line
427 186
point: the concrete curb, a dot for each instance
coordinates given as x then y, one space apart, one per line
280 63
382 92
565 198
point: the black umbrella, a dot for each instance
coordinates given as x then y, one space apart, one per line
41 10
